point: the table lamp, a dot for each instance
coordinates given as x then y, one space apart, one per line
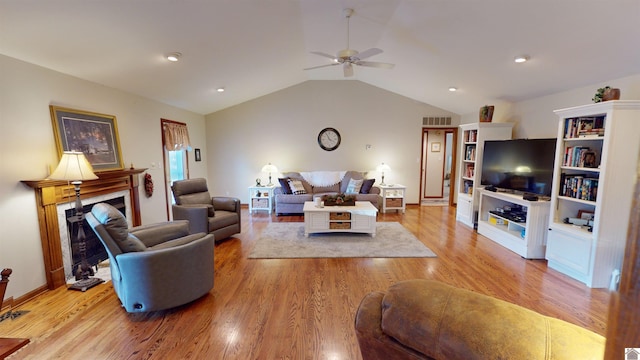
269 169
382 168
75 167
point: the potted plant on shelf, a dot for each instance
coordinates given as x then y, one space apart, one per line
486 113
605 94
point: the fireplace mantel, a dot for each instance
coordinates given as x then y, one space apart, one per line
50 193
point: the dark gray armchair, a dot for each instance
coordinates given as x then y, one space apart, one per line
154 267
218 215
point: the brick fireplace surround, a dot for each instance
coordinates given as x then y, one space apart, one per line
50 193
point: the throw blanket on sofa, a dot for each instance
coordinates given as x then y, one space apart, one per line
323 178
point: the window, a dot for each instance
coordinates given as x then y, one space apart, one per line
175 144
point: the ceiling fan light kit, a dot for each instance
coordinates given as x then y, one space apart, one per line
349 57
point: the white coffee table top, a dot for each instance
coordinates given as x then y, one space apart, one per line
364 206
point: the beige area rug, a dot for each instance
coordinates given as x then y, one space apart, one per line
287 240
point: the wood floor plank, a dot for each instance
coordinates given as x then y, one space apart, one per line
294 308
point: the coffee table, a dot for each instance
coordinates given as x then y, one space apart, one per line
360 218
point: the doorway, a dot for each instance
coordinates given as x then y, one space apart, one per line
438 166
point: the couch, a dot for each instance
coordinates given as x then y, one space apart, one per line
217 215
287 202
424 319
156 266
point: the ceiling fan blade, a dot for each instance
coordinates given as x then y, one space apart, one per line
348 69
375 64
369 53
323 54
321 66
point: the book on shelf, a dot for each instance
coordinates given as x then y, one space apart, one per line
579 187
579 156
584 127
471 135
591 133
468 187
470 170
471 153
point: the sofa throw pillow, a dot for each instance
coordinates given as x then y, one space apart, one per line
284 183
366 186
354 186
296 187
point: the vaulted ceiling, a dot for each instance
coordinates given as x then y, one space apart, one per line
255 47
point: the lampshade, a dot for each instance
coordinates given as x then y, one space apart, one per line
73 166
269 168
383 167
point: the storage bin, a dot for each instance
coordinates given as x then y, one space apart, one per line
340 225
394 202
260 203
340 216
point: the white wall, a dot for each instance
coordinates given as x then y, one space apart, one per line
535 119
28 149
282 128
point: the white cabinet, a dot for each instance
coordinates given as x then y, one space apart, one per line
392 197
594 174
261 198
471 146
517 224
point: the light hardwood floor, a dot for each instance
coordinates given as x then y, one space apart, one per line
293 308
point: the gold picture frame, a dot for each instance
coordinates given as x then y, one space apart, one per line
435 147
94 134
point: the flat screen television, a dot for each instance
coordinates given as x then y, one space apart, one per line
521 165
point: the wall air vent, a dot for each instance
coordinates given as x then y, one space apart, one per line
436 121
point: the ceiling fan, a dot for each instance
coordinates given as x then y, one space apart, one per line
349 57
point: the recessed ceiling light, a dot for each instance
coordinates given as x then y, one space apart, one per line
174 56
453 89
521 59
220 89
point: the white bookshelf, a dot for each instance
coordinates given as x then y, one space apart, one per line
603 188
471 146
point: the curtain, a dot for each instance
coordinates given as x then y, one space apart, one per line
176 136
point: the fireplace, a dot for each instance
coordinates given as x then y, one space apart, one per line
96 252
51 194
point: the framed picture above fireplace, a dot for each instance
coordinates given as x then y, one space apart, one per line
96 135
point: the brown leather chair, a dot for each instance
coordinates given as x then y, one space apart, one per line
218 215
425 319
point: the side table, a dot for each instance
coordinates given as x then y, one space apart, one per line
261 198
392 197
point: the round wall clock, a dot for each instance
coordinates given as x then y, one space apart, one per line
329 139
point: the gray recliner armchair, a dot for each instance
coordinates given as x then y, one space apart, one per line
157 266
218 215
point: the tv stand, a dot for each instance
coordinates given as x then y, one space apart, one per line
522 230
